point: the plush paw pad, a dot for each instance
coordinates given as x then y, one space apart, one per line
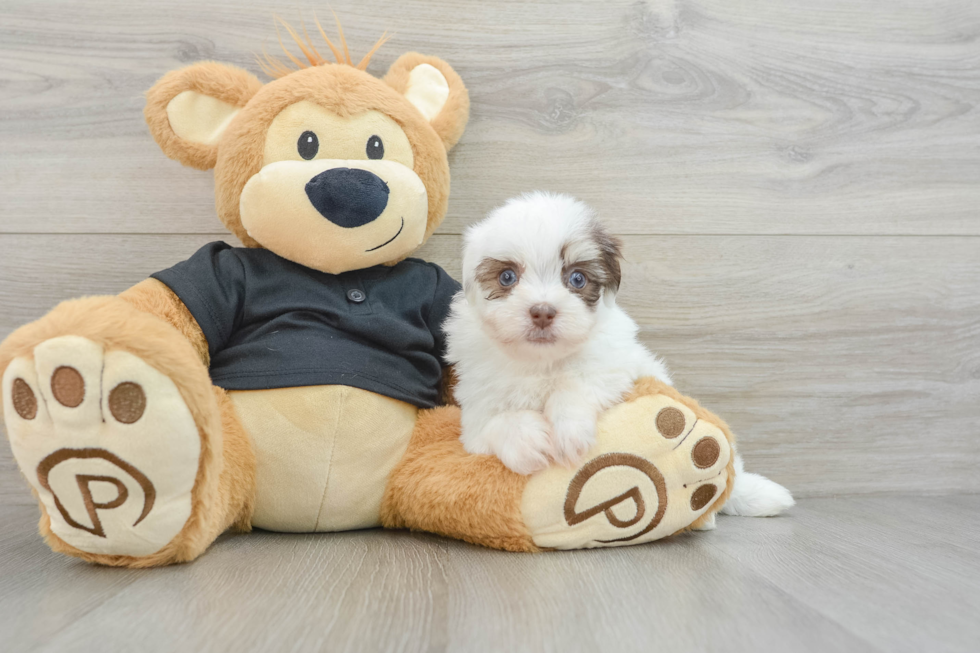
655 469
107 442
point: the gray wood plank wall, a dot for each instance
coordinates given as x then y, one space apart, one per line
798 184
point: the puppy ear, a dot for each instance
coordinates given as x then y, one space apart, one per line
189 109
435 89
610 254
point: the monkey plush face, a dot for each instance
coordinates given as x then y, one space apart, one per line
326 166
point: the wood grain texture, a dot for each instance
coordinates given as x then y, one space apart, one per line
671 116
843 364
856 574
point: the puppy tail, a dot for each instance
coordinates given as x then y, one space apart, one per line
755 495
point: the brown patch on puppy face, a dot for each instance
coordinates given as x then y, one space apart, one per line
488 276
611 251
594 274
602 272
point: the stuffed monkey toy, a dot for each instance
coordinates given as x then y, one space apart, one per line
296 383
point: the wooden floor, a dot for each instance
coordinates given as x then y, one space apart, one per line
798 186
885 574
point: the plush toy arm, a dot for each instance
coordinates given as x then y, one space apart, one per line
154 297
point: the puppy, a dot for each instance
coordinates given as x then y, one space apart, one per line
539 345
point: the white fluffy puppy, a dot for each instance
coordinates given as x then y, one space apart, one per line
540 346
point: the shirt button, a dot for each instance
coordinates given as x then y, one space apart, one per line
356 296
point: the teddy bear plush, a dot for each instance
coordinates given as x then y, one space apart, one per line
296 383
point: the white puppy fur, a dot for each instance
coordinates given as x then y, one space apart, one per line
540 346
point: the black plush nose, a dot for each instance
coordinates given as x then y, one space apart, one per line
348 197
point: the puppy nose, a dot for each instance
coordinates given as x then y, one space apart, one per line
348 197
542 315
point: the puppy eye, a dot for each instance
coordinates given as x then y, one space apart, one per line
308 145
375 148
507 278
577 280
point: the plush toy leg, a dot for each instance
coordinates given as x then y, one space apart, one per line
661 465
438 487
136 458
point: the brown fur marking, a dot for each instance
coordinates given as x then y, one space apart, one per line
610 253
488 273
596 279
602 272
449 381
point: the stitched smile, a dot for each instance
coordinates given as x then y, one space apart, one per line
390 239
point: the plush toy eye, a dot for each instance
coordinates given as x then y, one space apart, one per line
577 280
375 148
308 145
507 278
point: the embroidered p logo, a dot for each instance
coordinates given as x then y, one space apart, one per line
624 509
54 473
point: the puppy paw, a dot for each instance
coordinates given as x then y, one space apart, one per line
573 424
573 438
522 440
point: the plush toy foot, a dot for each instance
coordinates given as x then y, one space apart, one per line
660 465
136 458
106 441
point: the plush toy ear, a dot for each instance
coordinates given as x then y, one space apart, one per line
189 109
435 89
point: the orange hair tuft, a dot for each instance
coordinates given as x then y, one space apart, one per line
275 68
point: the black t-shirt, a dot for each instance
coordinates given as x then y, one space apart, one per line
272 323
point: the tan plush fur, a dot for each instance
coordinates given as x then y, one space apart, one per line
220 81
156 298
222 490
451 122
650 386
346 91
440 488
238 475
343 89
